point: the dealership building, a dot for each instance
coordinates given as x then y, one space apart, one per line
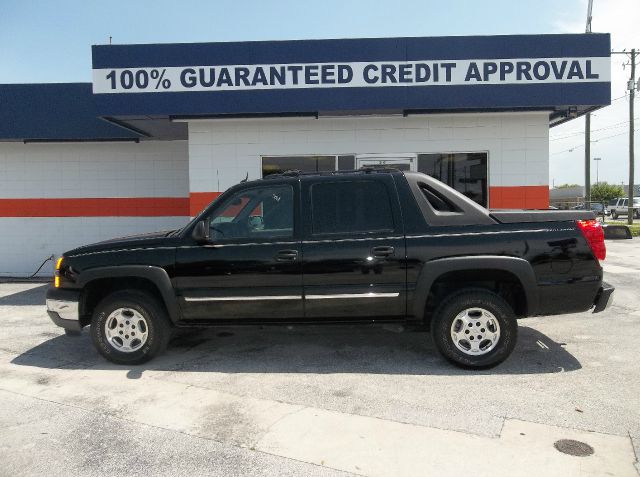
163 129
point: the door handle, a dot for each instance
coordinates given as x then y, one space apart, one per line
383 251
286 255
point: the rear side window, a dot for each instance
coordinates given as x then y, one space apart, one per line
437 200
350 207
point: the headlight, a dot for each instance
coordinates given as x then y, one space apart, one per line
56 277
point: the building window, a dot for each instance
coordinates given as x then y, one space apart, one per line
465 172
346 163
280 164
350 207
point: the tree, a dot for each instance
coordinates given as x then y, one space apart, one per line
566 186
604 192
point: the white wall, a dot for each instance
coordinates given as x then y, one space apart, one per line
83 170
103 169
222 152
26 242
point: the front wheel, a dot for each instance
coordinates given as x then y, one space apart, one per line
636 214
614 215
474 328
130 327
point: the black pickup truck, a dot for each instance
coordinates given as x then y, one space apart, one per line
361 246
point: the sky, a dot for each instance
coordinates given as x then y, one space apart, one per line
50 41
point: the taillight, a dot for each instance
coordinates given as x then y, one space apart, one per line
592 231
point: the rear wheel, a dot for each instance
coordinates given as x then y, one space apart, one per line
614 215
130 327
636 214
474 328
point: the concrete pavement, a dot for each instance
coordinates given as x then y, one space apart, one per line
323 400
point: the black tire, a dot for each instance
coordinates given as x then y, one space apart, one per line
636 214
614 215
457 302
157 324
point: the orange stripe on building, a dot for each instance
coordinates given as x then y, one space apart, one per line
96 207
519 197
199 200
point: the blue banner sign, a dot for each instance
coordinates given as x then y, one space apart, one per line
468 73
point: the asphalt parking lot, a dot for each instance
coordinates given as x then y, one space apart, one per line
328 400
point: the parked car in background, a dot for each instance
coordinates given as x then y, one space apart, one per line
620 207
600 209
597 208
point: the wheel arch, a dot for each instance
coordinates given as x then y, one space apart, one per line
494 267
97 282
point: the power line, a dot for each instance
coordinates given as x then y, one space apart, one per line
619 97
578 146
602 110
580 133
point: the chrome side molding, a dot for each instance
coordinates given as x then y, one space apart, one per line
290 297
242 298
353 295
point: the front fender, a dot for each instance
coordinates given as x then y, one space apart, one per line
157 275
434 269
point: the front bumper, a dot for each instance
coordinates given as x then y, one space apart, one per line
604 298
63 307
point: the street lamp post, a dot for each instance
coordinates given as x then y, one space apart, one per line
597 159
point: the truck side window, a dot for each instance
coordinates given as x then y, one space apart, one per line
261 212
438 201
350 207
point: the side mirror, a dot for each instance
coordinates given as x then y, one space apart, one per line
201 232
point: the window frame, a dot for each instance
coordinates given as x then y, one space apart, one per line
208 215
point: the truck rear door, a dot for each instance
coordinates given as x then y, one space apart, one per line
353 248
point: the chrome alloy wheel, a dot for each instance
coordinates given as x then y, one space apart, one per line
126 330
475 331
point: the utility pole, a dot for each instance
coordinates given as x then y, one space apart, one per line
631 86
587 160
632 89
587 133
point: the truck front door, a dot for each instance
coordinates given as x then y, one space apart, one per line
251 269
